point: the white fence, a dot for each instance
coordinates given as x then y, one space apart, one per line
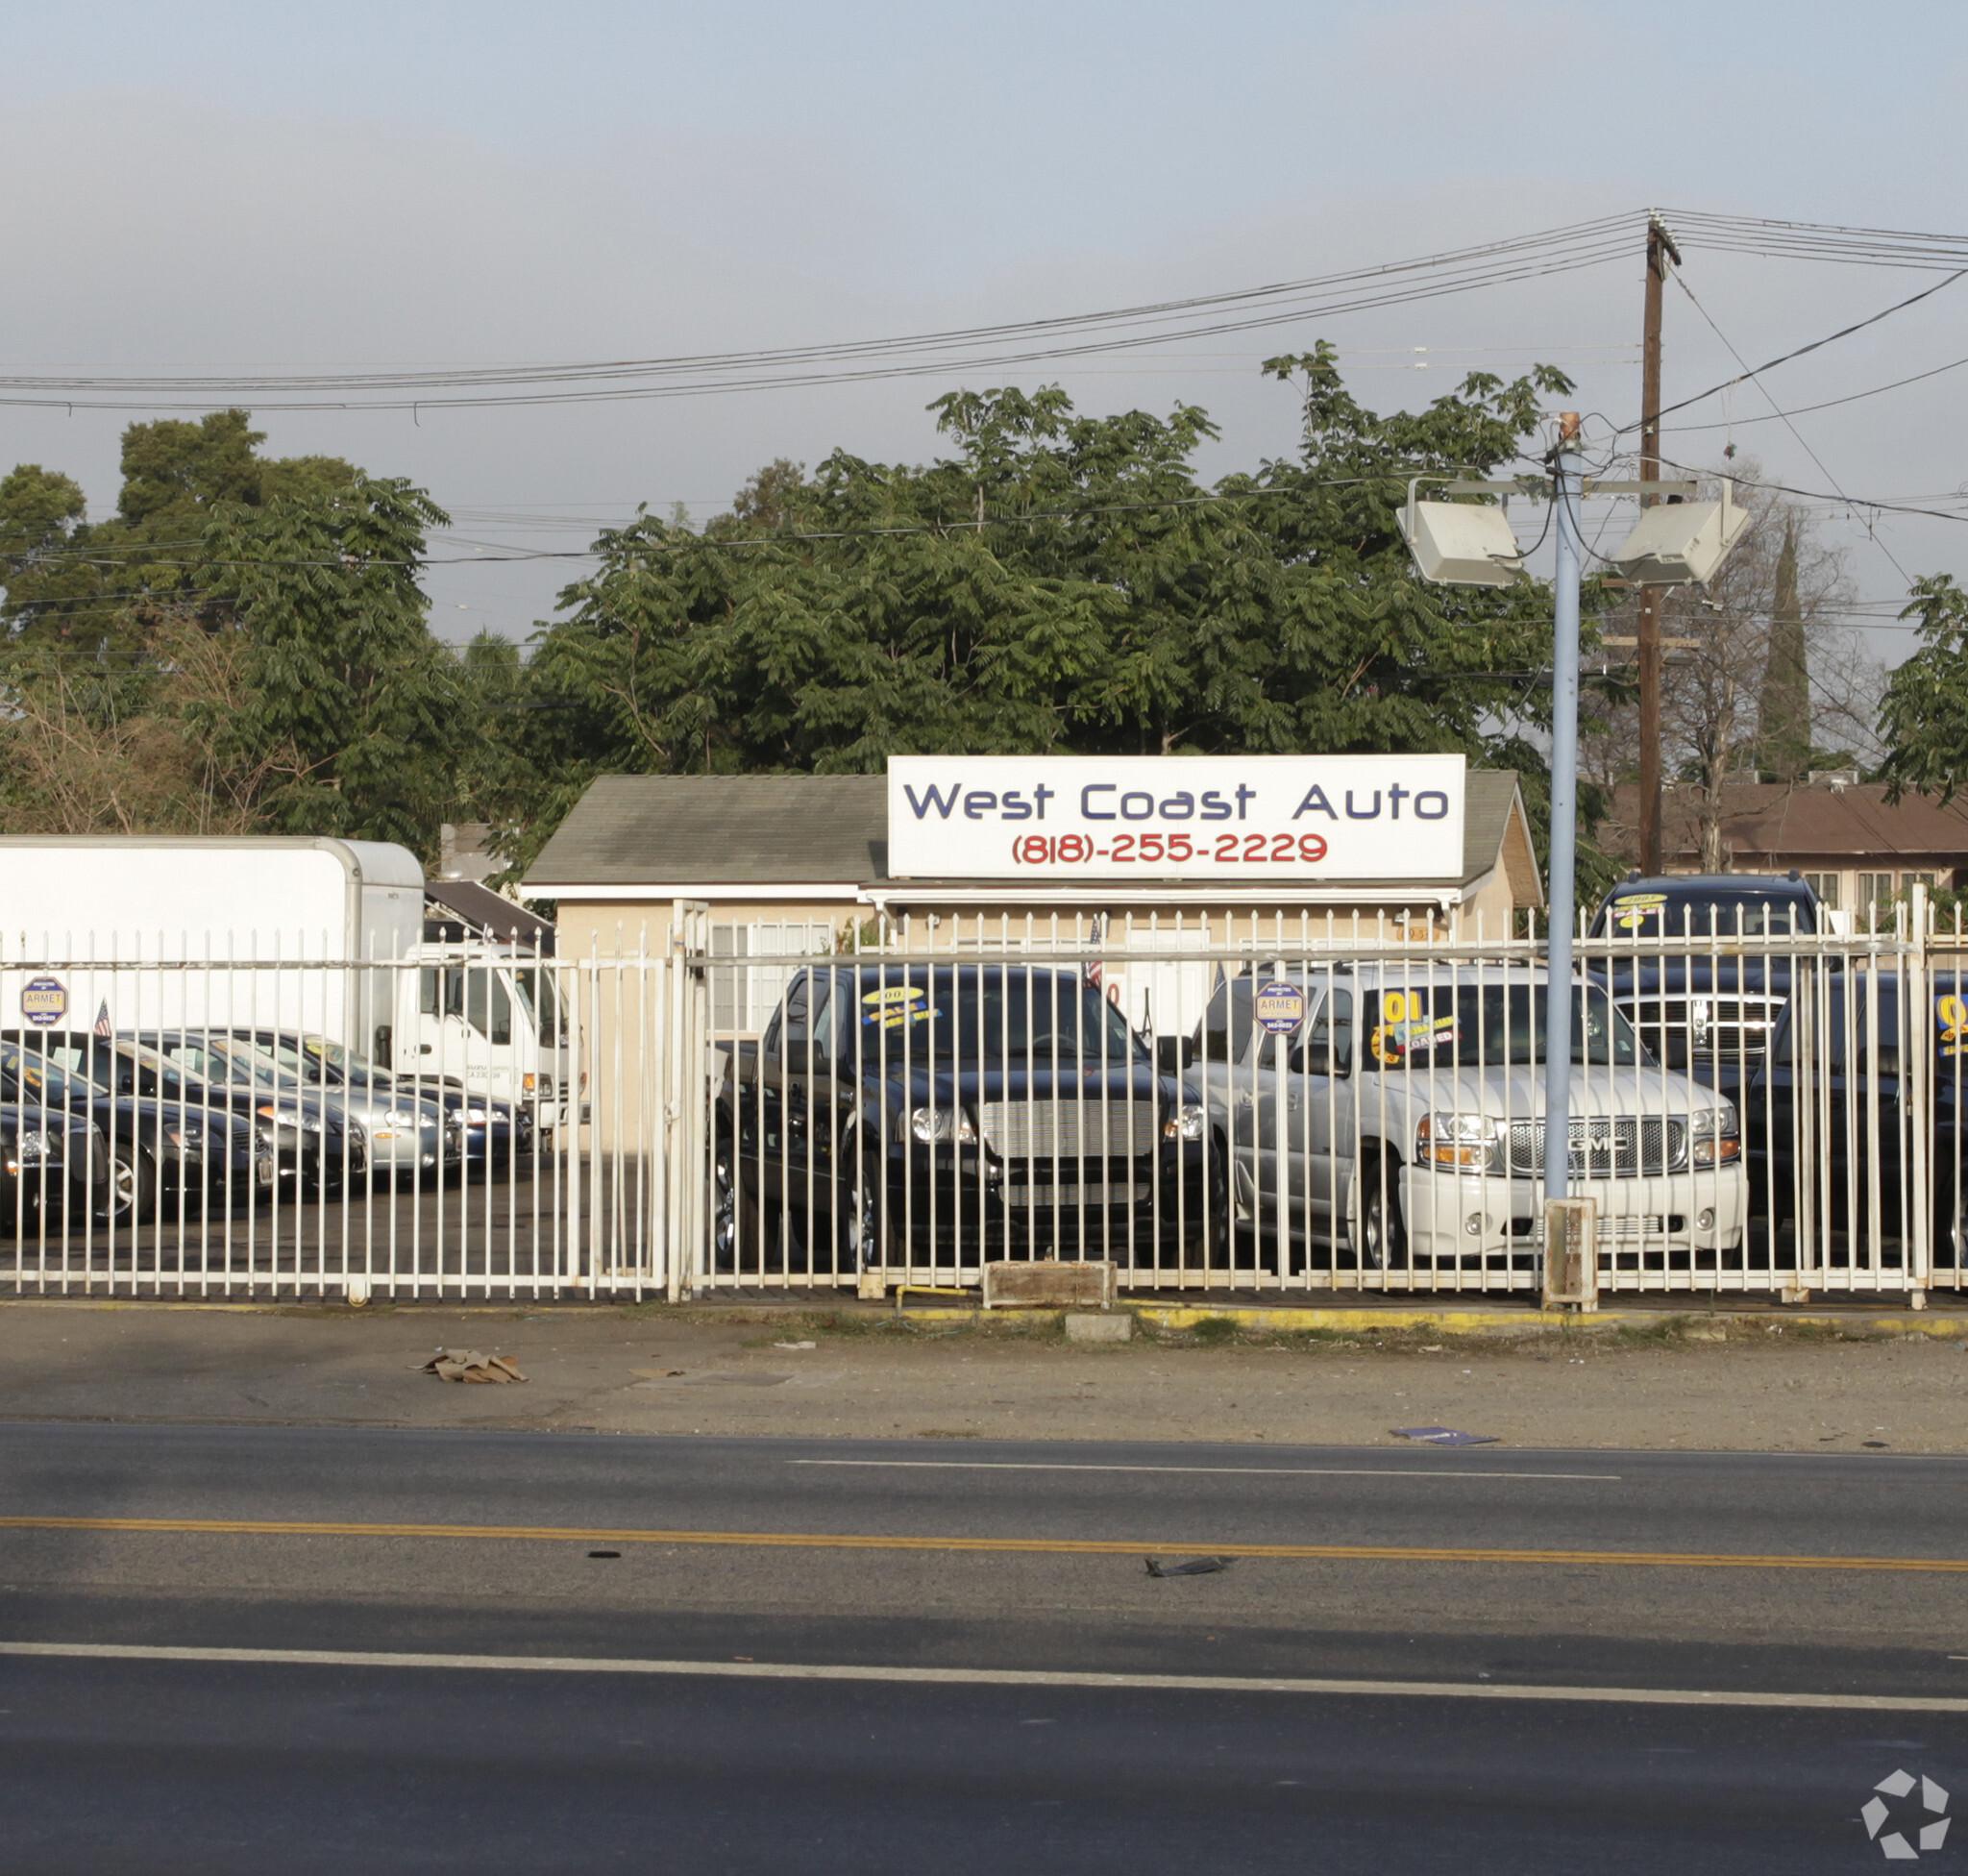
1277 1104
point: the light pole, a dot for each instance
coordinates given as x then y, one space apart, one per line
1457 545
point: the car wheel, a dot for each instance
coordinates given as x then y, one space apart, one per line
728 1214
1383 1232
1950 1225
864 1234
133 1187
1233 1243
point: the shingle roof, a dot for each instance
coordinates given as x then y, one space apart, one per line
1841 825
793 830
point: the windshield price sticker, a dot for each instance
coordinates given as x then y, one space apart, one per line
1280 1007
43 1002
1635 909
1407 1023
1951 1014
896 1006
1176 817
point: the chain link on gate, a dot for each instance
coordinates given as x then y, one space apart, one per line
1276 1104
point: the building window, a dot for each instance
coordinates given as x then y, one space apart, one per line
1875 889
1909 880
1825 886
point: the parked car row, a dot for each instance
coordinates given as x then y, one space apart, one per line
117 1126
1382 1118
945 1114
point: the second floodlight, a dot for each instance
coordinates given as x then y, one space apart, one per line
1680 543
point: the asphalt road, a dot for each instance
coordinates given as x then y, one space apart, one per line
779 1661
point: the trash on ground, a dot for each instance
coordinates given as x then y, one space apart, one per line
796 1345
1196 1567
469 1364
1444 1436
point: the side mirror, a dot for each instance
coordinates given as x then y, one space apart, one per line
1175 1054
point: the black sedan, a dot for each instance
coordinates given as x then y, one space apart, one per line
313 1154
175 1150
495 1132
53 1167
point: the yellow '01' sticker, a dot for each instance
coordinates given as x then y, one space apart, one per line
1951 1014
895 1005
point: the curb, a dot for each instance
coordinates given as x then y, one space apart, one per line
1474 1321
1285 1318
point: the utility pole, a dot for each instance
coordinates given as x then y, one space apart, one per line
1661 250
1559 991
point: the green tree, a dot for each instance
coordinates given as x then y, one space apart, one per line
1783 717
1055 581
1924 717
355 715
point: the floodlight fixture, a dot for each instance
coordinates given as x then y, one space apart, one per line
1681 543
1460 543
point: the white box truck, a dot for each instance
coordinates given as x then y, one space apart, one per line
316 935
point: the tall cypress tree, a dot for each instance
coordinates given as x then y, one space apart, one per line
1783 719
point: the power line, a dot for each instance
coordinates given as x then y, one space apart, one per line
1817 344
1559 250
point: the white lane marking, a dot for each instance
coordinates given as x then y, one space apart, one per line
1253 1472
776 1670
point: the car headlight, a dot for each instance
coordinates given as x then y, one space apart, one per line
541 1085
402 1116
185 1134
290 1117
31 1147
929 1124
1470 1143
1185 1123
1716 1136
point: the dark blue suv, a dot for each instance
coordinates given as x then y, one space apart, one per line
1708 978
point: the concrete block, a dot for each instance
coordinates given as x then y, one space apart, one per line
1108 1327
1049 1283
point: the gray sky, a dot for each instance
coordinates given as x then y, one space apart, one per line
218 186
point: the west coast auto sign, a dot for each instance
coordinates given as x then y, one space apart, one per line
1301 818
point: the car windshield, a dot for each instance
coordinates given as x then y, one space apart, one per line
1040 1017
39 1082
236 1065
1489 1025
315 1060
1701 915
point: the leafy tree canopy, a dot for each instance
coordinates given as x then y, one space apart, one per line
1056 581
1924 717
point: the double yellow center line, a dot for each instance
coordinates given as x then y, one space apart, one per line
1384 1553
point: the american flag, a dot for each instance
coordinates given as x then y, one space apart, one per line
103 1030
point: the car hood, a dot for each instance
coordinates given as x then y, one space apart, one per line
1694 973
1519 1093
994 1082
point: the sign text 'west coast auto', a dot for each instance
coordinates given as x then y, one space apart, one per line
1186 817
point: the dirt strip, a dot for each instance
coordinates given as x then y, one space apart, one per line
1751 1383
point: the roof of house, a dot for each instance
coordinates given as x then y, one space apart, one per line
1799 823
736 830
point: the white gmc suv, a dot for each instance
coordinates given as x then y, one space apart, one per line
1391 1117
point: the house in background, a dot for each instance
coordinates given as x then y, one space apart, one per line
1854 846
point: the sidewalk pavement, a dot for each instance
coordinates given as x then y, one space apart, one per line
1831 1381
